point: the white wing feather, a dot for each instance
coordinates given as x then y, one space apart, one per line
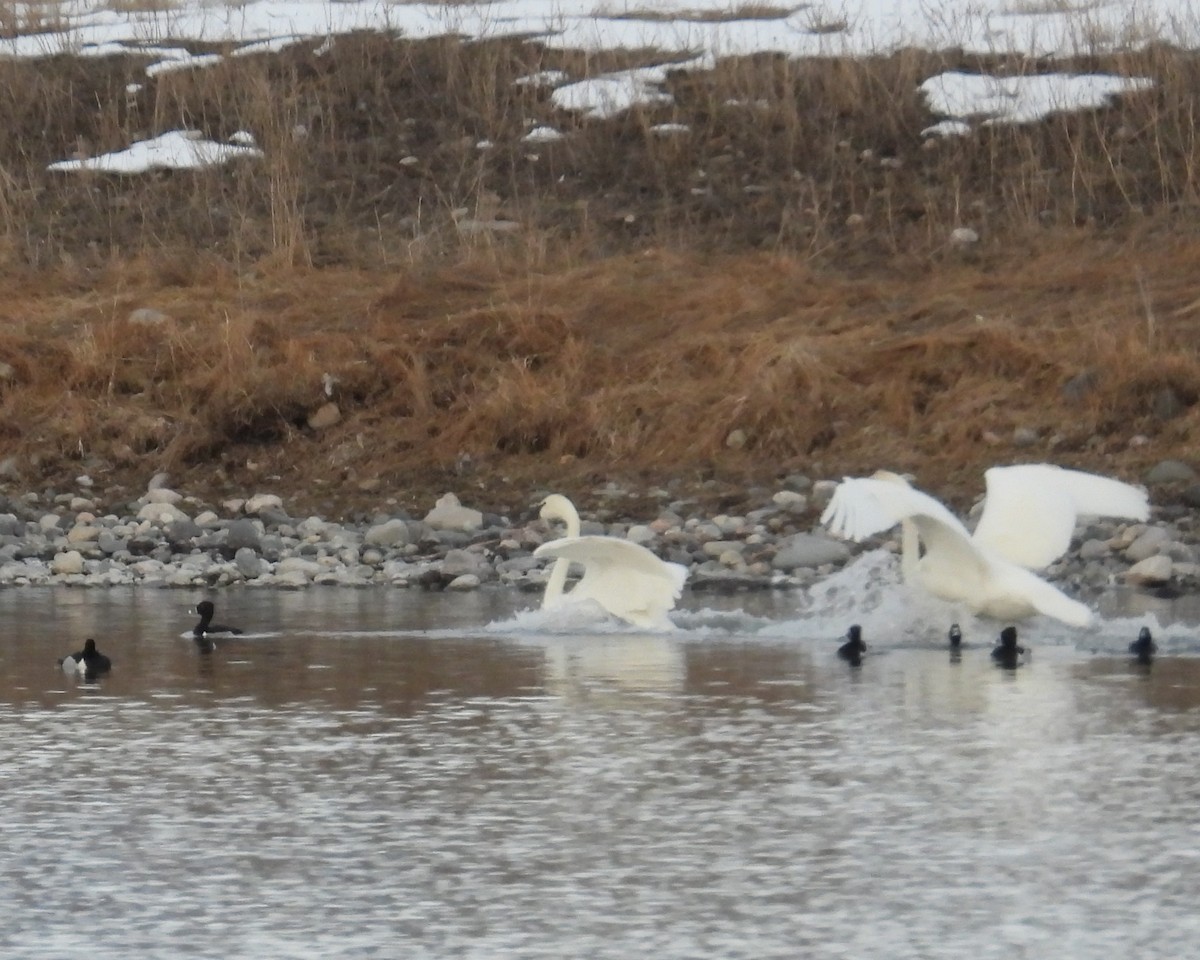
864 506
624 577
957 566
1031 510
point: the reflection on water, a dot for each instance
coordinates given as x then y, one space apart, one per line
372 774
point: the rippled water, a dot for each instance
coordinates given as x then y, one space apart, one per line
397 774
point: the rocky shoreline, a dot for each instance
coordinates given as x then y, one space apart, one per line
166 539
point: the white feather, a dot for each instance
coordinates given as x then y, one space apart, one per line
623 577
955 566
1031 510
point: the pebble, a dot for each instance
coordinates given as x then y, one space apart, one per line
777 543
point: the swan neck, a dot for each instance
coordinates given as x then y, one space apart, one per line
571 518
910 551
556 581
562 566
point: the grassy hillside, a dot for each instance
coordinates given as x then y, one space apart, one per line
773 290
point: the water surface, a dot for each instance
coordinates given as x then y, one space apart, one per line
385 773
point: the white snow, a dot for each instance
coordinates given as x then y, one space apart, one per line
177 150
674 28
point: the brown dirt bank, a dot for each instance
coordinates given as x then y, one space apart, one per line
770 291
492 379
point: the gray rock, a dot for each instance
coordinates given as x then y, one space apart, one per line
459 562
261 502
1151 571
468 581
109 543
243 533
791 501
185 529
1170 471
67 564
389 534
1148 544
1167 405
249 564
324 416
449 514
808 550
161 513
1080 385
1094 550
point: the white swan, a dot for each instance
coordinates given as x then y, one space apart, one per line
623 577
1027 522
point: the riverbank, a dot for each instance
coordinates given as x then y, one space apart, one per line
167 539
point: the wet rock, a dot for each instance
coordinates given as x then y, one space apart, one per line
1150 572
808 550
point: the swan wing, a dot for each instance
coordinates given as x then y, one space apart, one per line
1030 512
864 506
625 578
1044 597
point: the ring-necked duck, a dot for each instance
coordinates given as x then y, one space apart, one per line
1009 653
854 647
89 661
1144 647
206 628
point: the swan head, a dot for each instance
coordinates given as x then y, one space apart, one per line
557 507
955 635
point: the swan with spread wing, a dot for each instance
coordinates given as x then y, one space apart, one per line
1027 522
623 577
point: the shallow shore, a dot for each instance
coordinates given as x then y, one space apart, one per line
166 538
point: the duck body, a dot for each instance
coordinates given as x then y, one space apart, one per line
1008 653
206 628
1144 648
89 661
854 647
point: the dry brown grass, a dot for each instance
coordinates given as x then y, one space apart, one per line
767 273
637 366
